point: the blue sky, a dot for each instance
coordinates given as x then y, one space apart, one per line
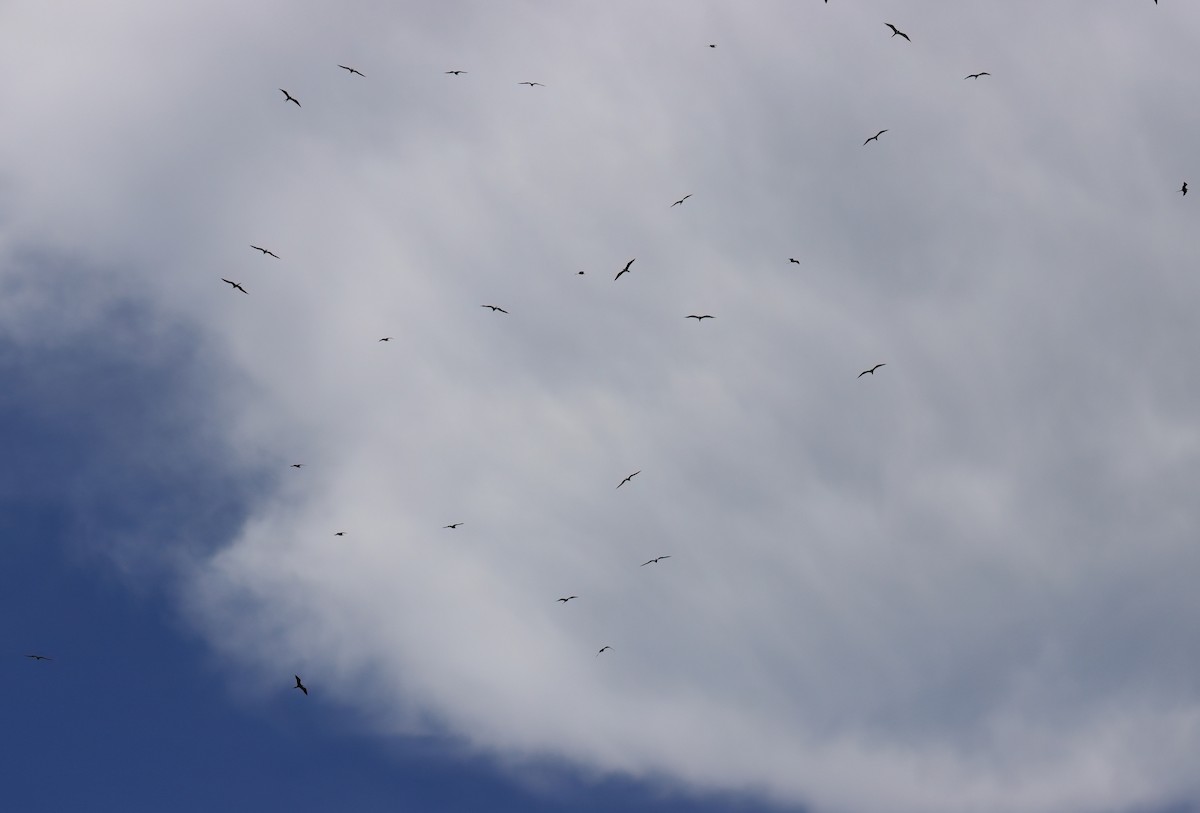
963 582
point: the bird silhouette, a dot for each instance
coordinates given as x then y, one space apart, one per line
655 560
603 649
387 338
340 533
456 73
265 251
452 526
40 657
297 465
874 137
235 285
630 477
300 686
1183 189
700 318
624 270
681 200
896 31
976 75
793 260
872 370
532 84
568 598
287 97
494 308
352 70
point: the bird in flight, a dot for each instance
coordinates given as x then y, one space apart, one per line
340 533
235 285
793 260
532 84
265 251
872 370
494 308
896 31
655 561
568 598
40 657
630 477
976 75
681 200
456 73
300 685
624 270
700 318
387 338
603 649
297 465
287 97
1183 189
453 526
352 70
874 137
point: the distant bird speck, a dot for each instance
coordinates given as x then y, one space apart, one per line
235 285
624 270
700 318
896 31
340 533
565 600
287 97
494 308
681 200
655 560
874 137
40 657
793 260
387 338
630 477
452 526
456 73
297 465
532 84
352 70
872 370
1183 189
300 685
976 75
265 251
603 649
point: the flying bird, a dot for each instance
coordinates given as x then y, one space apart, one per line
494 308
352 70
300 686
568 598
40 657
630 477
700 318
265 251
235 285
287 97
603 649
654 561
681 200
297 465
340 533
456 73
532 84
874 137
387 338
624 270
452 527
896 31
1183 189
793 260
976 75
872 370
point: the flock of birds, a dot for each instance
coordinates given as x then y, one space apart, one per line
265 252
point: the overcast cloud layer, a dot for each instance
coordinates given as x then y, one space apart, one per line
962 583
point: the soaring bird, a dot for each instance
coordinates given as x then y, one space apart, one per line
896 31
352 70
265 251
456 73
624 270
453 526
387 338
630 477
1183 189
603 649
976 75
700 318
568 598
681 200
297 465
494 308
532 84
287 97
235 285
340 533
874 137
300 686
872 370
654 561
793 260
40 657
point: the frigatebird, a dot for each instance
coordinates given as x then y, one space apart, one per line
456 73
568 598
494 308
387 338
297 465
624 270
1183 189
532 84
287 97
453 526
872 370
265 251
352 70
874 137
896 31
681 200
300 686
340 533
976 75
793 260
655 561
235 285
700 318
40 657
603 649
630 477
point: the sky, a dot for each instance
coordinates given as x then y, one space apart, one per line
963 582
